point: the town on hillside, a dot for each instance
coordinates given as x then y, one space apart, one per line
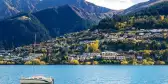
134 47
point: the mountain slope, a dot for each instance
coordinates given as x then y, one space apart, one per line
20 30
13 7
143 6
64 19
89 7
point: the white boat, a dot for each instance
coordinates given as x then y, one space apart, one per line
37 80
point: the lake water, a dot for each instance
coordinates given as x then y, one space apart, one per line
100 74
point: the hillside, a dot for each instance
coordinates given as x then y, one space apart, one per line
89 7
13 7
20 29
64 19
157 9
145 6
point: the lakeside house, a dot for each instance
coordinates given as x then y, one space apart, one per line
84 56
32 56
112 56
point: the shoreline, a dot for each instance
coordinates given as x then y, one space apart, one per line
85 65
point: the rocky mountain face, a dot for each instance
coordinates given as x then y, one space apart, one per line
89 7
13 7
142 6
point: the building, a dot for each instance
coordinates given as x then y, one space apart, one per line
120 57
109 55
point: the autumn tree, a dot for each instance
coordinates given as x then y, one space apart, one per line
74 62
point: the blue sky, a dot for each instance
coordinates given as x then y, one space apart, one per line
116 4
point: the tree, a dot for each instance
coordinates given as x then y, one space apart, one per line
145 62
148 61
124 62
28 63
93 47
88 63
160 63
162 17
95 63
35 62
74 62
134 62
107 23
147 53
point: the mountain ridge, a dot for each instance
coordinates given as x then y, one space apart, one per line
48 23
19 6
141 6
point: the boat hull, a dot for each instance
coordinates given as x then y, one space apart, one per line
34 81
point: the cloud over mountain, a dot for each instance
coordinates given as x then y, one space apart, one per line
116 4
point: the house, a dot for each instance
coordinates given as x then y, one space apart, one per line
109 55
141 34
139 57
73 57
120 57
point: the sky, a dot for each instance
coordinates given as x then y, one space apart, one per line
116 4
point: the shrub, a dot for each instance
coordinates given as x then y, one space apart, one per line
88 63
95 62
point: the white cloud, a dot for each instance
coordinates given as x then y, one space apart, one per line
116 4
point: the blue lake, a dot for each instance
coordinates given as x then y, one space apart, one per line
101 74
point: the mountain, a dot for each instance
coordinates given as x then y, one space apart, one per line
20 29
89 7
148 6
13 7
64 19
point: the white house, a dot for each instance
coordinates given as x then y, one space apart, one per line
109 55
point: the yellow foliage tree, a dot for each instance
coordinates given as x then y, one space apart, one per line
147 53
121 25
1 62
28 63
88 63
95 63
162 17
10 63
147 62
124 62
95 46
134 62
42 63
35 62
162 63
165 35
74 62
